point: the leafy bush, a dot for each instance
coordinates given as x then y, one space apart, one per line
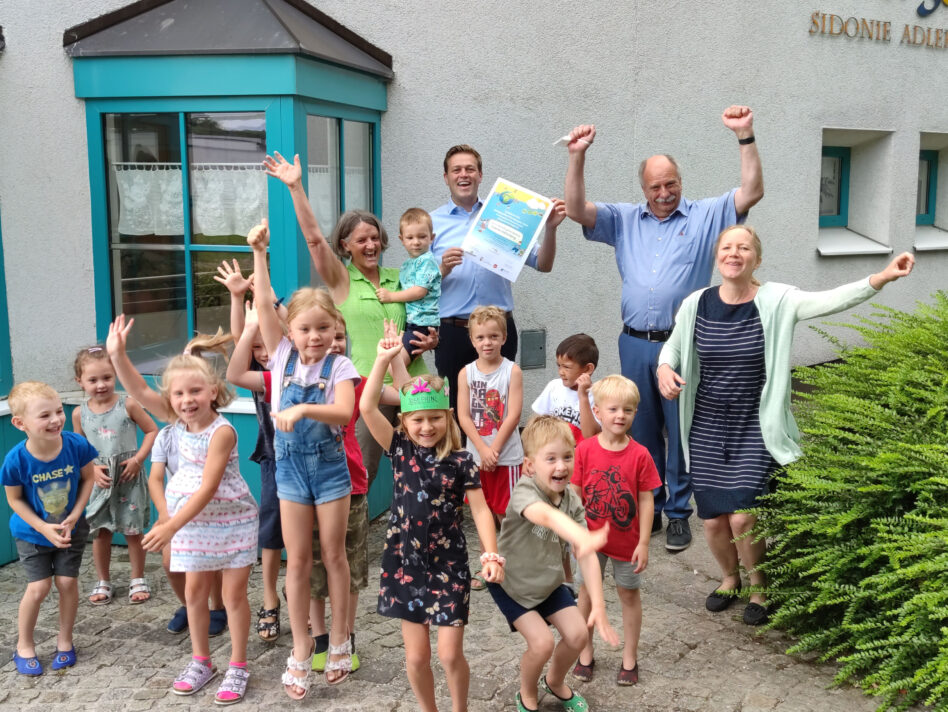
859 525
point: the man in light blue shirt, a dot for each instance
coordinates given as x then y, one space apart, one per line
664 252
466 285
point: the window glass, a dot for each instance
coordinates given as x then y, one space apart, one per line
357 141
924 176
228 187
322 165
830 185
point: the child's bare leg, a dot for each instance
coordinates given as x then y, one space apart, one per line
197 587
573 638
456 670
540 645
102 556
585 606
238 610
68 587
36 592
297 521
418 664
175 578
333 519
270 563
751 552
136 561
631 625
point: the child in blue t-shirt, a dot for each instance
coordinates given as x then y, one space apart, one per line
48 479
420 277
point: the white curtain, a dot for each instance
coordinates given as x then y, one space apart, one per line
226 198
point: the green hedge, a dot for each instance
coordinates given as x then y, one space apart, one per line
858 564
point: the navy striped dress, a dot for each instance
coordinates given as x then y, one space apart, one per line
730 465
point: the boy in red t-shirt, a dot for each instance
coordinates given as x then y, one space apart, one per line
614 476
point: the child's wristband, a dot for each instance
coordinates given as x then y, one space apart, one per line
492 556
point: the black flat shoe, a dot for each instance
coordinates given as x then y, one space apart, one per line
756 614
719 600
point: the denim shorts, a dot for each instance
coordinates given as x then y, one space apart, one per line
312 476
41 562
623 572
558 600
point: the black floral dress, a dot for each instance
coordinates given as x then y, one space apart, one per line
425 576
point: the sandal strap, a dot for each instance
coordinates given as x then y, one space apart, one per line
196 674
344 664
301 665
268 612
138 585
235 680
102 587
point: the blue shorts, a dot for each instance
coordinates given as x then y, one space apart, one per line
270 534
312 476
561 598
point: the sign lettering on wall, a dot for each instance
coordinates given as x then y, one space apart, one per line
876 30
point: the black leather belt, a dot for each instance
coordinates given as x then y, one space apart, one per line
647 335
462 323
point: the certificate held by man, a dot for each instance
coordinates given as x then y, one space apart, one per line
506 229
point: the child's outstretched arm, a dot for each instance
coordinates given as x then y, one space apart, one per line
328 266
237 285
411 294
585 545
488 453
377 423
646 515
258 238
492 569
129 376
133 465
238 368
218 452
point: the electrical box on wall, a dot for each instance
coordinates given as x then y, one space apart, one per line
533 348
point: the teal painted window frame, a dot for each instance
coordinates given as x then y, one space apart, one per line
284 87
6 358
841 219
928 218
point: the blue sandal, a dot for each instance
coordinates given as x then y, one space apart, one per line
27 666
64 659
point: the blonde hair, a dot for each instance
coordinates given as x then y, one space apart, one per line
414 216
755 242
618 387
89 353
348 222
195 359
482 315
23 393
542 430
452 435
307 298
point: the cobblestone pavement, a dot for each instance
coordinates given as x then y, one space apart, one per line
689 659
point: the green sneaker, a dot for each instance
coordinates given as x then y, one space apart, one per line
575 702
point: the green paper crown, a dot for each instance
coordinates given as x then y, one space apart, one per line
421 396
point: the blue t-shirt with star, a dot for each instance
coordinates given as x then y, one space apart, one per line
50 488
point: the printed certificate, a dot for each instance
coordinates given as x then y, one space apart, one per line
507 228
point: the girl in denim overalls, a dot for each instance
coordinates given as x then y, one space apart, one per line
313 397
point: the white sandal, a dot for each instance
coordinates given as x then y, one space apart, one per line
101 588
343 665
138 585
290 680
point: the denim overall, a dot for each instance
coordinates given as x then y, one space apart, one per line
311 461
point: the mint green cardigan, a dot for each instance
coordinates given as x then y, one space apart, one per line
780 306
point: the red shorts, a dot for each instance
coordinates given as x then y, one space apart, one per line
498 485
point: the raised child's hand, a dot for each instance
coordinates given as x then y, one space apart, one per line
390 329
251 319
278 167
590 541
389 347
118 335
259 236
558 214
231 278
583 383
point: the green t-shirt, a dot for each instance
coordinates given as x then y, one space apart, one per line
534 554
364 314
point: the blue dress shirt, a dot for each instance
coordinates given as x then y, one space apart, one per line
469 285
661 261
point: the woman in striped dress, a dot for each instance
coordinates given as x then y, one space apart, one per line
731 345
